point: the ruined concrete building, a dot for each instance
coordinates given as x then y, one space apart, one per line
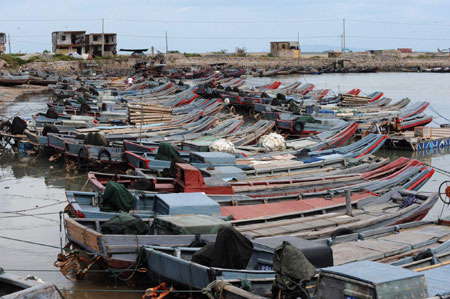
65 42
285 49
94 44
101 44
2 43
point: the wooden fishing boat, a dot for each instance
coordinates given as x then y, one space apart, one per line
297 125
372 212
411 174
15 287
86 153
397 245
175 265
120 251
10 80
165 263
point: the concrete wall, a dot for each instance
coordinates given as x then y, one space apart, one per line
284 49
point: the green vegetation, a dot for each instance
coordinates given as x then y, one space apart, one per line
17 60
62 57
107 57
192 55
424 56
221 52
270 55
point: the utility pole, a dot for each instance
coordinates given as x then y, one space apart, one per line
103 36
167 45
9 43
298 41
343 34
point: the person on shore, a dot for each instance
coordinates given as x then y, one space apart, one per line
130 82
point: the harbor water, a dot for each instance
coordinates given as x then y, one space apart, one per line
29 244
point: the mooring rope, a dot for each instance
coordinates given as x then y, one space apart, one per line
31 209
437 113
30 242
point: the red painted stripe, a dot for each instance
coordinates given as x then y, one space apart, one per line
372 147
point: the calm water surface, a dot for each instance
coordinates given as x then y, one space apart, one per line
30 185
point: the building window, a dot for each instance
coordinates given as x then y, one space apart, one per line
283 46
63 38
95 38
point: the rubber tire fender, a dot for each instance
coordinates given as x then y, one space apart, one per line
82 156
104 152
298 126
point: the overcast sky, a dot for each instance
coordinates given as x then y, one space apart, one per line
209 25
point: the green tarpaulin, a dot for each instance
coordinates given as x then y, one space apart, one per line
116 198
166 152
188 224
125 224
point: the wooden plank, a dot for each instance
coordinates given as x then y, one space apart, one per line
83 234
408 237
385 247
348 252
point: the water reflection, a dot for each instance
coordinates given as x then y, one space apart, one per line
53 173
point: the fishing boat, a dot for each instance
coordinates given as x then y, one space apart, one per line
371 212
11 80
15 287
120 251
410 174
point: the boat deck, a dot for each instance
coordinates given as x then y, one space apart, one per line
391 244
439 139
437 280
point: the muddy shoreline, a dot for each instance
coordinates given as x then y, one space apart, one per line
124 64
11 93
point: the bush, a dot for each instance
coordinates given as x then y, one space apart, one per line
107 57
62 57
14 60
241 52
424 56
191 55
222 52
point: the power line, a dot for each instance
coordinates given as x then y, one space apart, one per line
225 22
31 35
49 20
397 23
396 37
226 37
